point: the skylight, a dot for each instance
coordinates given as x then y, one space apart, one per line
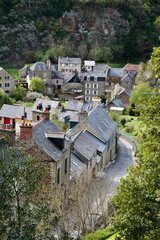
74 163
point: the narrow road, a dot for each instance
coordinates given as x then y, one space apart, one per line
117 169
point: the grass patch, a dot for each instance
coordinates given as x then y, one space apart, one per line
117 65
13 71
27 104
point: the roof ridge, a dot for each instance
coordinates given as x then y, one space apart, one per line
39 122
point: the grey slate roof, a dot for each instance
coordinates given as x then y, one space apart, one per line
77 166
101 145
11 111
94 74
74 79
69 60
87 106
115 72
44 143
45 103
102 123
39 66
117 102
100 67
126 78
57 75
85 146
74 105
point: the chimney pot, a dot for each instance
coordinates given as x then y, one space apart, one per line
3 126
11 128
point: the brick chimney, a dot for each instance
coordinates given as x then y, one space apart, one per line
82 115
46 114
26 132
9 133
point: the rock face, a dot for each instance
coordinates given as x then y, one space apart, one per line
95 26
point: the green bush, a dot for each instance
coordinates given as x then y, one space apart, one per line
18 93
99 235
114 116
4 98
129 129
123 121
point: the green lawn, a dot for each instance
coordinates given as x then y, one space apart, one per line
117 65
14 71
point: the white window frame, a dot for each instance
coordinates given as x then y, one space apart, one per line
87 98
88 78
95 78
87 92
95 85
93 92
44 74
87 85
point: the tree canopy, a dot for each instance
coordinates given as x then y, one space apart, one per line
37 85
137 201
4 98
18 93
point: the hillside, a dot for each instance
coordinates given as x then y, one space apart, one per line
30 27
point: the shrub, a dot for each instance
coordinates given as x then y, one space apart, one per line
18 93
99 235
129 129
114 116
123 121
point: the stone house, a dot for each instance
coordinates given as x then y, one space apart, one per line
23 72
131 68
47 144
89 65
124 95
94 129
94 84
128 80
69 66
114 76
7 81
116 102
41 106
15 116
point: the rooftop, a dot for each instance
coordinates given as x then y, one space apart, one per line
101 67
131 67
69 60
115 72
74 105
39 66
45 103
117 102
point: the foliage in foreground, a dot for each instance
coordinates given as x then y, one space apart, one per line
37 85
99 235
18 93
4 98
137 201
23 214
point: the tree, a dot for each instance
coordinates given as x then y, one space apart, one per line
155 60
141 94
25 212
137 201
18 93
4 98
123 121
54 53
37 85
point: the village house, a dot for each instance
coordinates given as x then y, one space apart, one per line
23 72
131 68
116 104
94 129
69 66
15 116
124 95
128 81
89 65
7 82
114 76
41 106
94 84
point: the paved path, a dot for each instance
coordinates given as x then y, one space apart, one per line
117 169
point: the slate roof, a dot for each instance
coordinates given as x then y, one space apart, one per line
128 92
115 72
74 105
101 67
131 67
126 78
45 103
85 146
69 60
101 145
87 106
94 74
117 102
39 66
77 166
45 144
102 123
74 79
57 75
11 111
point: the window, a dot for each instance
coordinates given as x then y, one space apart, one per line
6 84
44 74
44 80
95 85
38 117
36 74
87 99
0 77
88 78
57 81
87 91
66 70
89 67
6 77
88 85
65 166
63 70
95 78
58 175
0 84
70 70
6 91
66 64
95 92
62 64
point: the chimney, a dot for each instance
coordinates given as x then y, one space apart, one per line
26 132
46 114
49 63
82 115
8 133
57 138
